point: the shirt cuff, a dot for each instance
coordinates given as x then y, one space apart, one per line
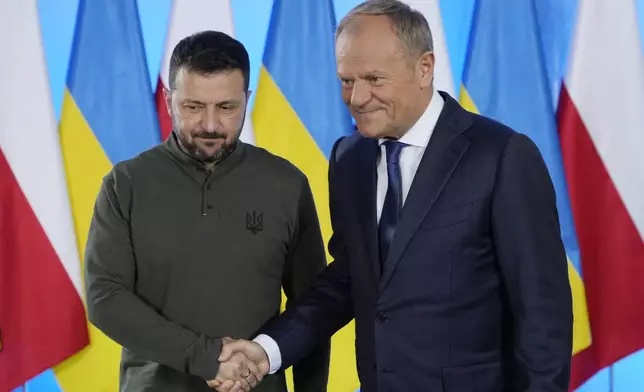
272 352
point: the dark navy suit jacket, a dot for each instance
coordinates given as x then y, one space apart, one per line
475 294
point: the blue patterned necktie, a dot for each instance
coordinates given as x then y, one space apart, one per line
393 200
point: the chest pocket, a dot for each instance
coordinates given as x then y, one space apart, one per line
446 217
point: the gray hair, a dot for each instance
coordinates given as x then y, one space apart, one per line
410 25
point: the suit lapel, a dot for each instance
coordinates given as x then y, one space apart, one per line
365 201
443 153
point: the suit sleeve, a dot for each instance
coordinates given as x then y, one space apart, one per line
306 260
534 267
326 306
114 307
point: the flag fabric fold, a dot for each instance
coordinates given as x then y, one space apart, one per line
505 79
42 318
600 125
108 116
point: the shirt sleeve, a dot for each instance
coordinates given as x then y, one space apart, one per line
306 260
534 267
272 352
327 304
113 305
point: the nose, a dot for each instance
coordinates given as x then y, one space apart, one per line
210 121
360 94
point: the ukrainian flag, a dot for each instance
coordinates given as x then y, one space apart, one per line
108 116
505 79
299 114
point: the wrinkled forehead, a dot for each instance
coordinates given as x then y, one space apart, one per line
364 59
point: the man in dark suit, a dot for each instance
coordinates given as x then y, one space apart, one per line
446 242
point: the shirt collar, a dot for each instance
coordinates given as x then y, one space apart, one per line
420 133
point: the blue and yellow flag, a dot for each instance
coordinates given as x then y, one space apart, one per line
108 116
505 79
299 114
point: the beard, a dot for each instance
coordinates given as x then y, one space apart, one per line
191 148
200 154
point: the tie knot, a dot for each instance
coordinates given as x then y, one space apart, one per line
393 149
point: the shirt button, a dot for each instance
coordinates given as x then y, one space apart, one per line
381 317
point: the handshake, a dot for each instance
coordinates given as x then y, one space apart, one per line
242 366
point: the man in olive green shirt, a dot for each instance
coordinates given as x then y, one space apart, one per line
194 239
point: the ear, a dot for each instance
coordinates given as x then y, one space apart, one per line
248 94
167 96
426 68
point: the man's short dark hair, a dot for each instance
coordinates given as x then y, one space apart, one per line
209 52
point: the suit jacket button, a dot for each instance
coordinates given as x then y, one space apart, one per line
381 317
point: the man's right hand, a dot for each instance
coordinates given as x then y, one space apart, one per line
235 354
252 350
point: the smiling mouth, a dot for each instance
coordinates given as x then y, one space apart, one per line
367 113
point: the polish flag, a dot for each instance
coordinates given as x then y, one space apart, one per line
443 79
601 124
189 17
42 317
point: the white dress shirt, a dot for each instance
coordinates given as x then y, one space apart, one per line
416 139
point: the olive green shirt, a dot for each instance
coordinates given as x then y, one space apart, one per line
179 256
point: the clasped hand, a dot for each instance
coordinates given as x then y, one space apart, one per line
242 366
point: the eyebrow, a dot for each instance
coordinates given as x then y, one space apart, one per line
226 102
371 72
193 101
